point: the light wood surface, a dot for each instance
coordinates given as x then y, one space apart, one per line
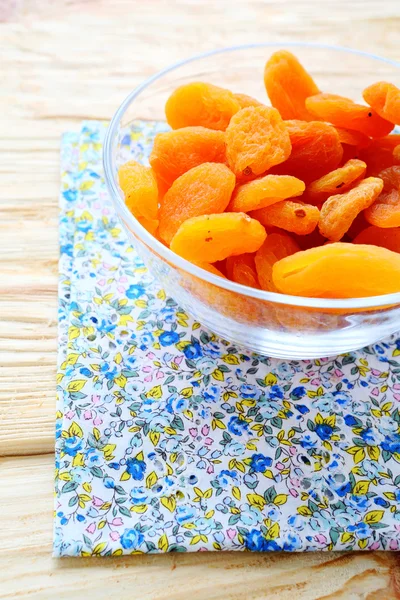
62 61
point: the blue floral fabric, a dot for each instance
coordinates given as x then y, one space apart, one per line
170 439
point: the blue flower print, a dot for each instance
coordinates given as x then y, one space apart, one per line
361 530
135 291
260 463
212 349
342 398
391 444
368 435
167 338
298 392
131 539
176 404
185 514
136 468
94 458
256 542
193 351
226 479
292 542
139 495
275 392
351 421
72 445
237 426
212 394
307 442
323 431
250 391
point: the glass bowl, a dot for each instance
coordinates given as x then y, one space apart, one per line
268 323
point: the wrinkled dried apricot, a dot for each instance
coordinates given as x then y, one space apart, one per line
384 98
205 189
175 152
275 247
339 271
339 211
379 154
140 189
265 191
215 237
289 215
151 225
385 211
343 112
242 269
256 140
316 150
288 85
340 179
390 178
376 236
352 138
202 104
245 100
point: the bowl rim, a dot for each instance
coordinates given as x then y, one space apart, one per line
176 260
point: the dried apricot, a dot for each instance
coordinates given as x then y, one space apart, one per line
376 236
201 103
265 191
384 98
288 85
343 112
316 150
396 154
352 138
175 152
242 269
275 247
339 211
289 215
215 237
205 189
151 225
385 211
245 100
379 154
140 189
390 178
340 179
256 140
339 271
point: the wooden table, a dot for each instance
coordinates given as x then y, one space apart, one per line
62 61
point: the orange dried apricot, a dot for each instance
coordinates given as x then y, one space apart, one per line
151 225
175 152
343 112
245 100
340 179
275 247
376 236
339 271
379 154
396 154
215 237
352 138
296 217
288 85
242 269
256 140
390 178
385 211
384 98
316 150
139 186
265 191
203 190
201 103
339 211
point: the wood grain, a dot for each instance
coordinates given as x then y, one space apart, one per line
62 61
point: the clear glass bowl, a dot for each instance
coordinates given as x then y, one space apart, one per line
271 324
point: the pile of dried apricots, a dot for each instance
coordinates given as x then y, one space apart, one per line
301 198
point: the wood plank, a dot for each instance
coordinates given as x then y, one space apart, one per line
27 569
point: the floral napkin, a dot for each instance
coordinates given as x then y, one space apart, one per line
171 439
